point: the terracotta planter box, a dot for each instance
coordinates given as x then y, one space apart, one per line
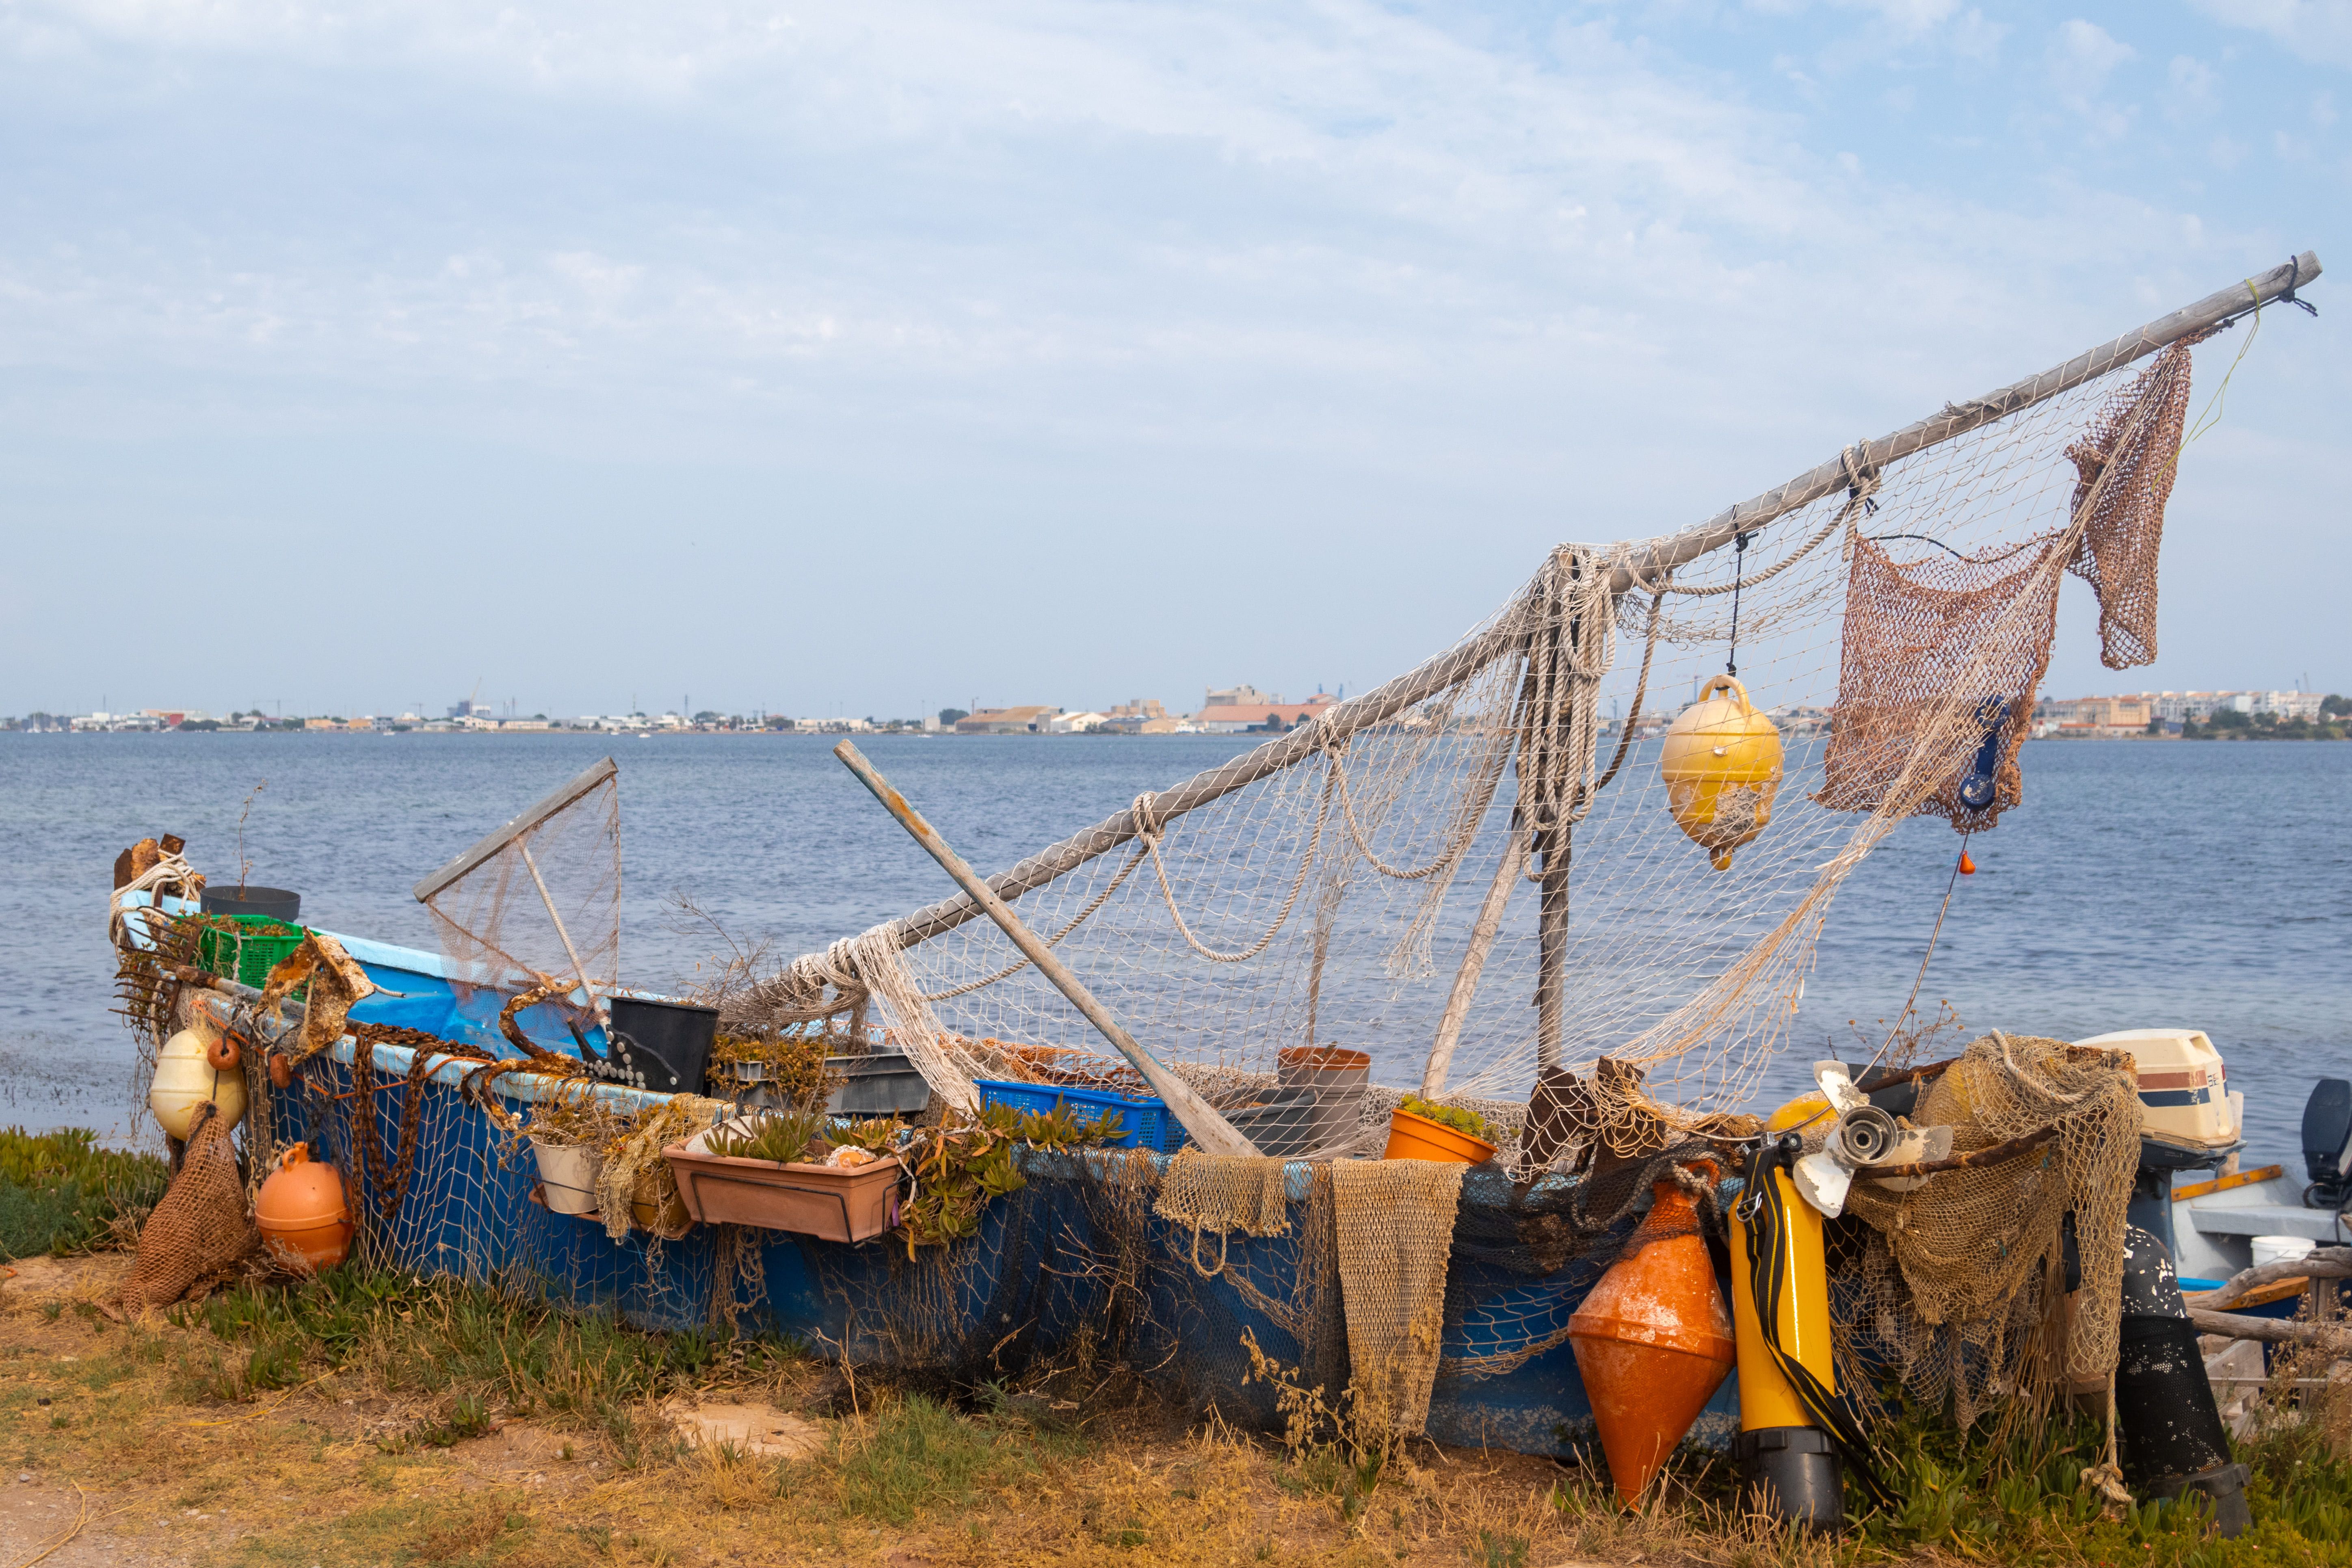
830 1203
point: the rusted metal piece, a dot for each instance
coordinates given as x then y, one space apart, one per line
1210 1130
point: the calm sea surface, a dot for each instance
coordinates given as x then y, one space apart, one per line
2206 884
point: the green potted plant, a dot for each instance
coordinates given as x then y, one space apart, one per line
787 1170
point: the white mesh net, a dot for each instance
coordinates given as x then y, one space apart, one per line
1334 899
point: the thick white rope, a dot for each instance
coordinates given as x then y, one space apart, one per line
1147 827
1465 829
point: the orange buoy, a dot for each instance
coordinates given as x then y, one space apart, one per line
1653 1344
226 1054
281 1070
1967 866
301 1212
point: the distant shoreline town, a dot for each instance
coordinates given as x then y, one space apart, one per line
1244 710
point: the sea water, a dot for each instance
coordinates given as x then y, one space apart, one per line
2143 883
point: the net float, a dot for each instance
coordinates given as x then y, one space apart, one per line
301 1212
186 1078
1721 766
225 1053
1652 1342
281 1070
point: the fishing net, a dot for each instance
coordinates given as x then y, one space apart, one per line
2131 454
1476 874
199 1229
538 903
1477 877
1395 1230
1946 635
1955 1290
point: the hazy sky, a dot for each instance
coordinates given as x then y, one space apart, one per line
877 356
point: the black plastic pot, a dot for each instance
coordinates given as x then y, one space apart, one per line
277 903
664 1046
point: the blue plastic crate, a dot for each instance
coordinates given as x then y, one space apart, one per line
1148 1124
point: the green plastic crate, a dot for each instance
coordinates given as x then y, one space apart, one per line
249 951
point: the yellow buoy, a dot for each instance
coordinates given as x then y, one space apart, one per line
1722 767
185 1080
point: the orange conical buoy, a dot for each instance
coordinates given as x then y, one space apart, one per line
301 1213
1967 866
1653 1344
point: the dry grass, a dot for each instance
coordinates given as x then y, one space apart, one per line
446 1426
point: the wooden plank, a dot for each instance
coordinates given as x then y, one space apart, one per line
547 805
2224 1184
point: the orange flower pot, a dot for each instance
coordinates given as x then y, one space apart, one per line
1414 1137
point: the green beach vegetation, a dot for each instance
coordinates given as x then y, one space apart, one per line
60 1193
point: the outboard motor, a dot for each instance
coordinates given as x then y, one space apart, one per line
2191 1120
2167 1423
2326 1140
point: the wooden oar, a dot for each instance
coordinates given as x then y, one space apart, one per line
1211 1131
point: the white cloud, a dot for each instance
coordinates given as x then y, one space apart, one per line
2317 30
2189 94
2083 55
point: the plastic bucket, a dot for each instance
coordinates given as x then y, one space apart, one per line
1322 1066
1285 1123
664 1046
273 903
1414 1137
1340 1080
2282 1249
567 1177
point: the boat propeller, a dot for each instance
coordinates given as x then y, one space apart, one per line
1864 1139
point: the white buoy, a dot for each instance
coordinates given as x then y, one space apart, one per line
185 1080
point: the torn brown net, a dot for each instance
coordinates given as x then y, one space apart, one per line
1952 1286
1925 638
200 1229
2134 444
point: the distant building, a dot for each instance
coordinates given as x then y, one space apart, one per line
1233 709
1141 716
837 726
1033 719
1073 724
2130 714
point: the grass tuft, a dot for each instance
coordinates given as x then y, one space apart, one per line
62 1193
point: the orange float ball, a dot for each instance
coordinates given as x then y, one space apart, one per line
301 1212
226 1054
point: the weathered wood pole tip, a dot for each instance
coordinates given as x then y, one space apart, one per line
1210 1130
